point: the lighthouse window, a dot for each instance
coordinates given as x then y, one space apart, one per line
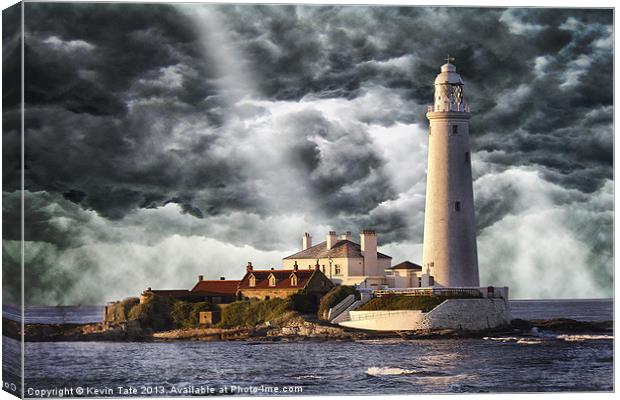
455 129
457 206
467 156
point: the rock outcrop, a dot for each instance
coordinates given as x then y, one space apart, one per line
290 327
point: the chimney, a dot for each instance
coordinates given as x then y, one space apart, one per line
368 244
331 239
222 278
347 236
148 289
317 266
249 267
295 267
306 241
200 278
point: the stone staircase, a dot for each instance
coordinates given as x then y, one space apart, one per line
344 315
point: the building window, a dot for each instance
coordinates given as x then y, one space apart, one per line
467 156
455 129
457 206
252 281
419 282
272 280
337 269
266 297
431 281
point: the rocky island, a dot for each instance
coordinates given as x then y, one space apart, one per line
297 317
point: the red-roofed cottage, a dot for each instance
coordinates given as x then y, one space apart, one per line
270 284
216 291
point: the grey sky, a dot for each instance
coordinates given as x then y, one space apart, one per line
167 141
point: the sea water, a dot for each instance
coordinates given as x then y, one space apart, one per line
392 366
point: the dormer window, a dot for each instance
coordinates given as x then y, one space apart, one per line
252 281
294 280
272 280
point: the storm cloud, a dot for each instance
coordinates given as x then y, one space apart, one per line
153 131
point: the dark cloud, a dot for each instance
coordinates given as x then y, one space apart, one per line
132 107
103 57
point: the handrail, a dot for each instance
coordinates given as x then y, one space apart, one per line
340 307
429 292
345 315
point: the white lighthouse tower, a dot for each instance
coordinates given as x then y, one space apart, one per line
449 253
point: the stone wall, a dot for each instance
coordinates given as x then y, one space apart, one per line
469 314
271 293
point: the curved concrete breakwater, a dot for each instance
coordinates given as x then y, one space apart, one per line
459 314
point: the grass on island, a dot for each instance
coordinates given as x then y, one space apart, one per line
423 303
253 312
333 297
160 313
250 313
164 313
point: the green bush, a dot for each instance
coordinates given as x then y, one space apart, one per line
139 312
180 313
250 313
187 314
121 309
305 303
155 313
333 297
399 302
162 313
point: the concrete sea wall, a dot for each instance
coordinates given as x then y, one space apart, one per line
466 314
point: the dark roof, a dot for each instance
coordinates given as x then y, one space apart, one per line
283 280
342 249
407 265
171 293
216 288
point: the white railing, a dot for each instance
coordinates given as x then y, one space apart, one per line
488 292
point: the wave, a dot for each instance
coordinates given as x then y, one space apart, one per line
501 339
579 338
308 377
513 339
381 371
528 341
